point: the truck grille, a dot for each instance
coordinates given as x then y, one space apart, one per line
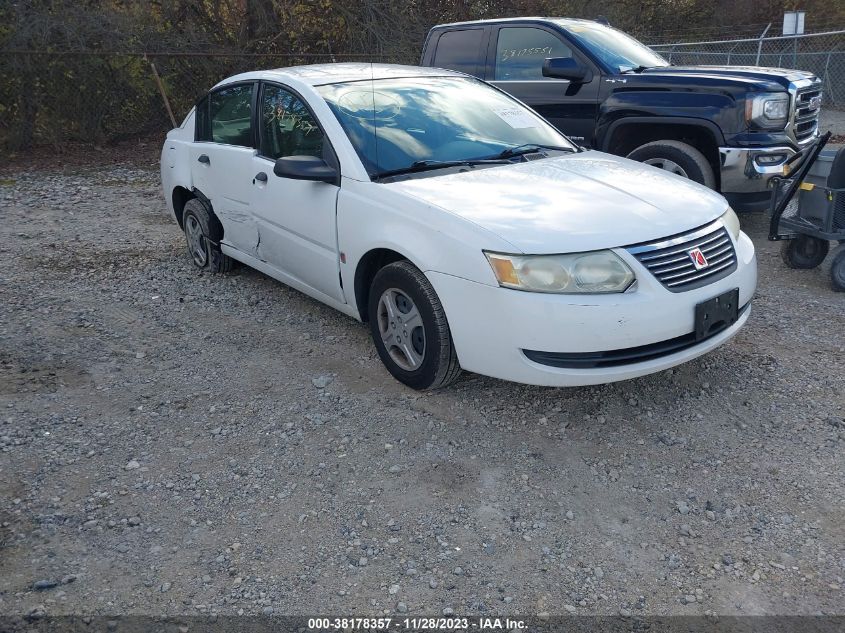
670 262
806 119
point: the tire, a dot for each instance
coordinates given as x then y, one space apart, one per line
678 158
403 287
804 252
202 234
836 268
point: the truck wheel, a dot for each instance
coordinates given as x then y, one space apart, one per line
677 158
837 268
409 328
804 252
199 233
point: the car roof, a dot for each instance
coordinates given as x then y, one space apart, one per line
321 74
559 21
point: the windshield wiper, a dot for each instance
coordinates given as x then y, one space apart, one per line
428 165
638 69
530 148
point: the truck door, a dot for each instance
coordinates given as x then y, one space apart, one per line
515 64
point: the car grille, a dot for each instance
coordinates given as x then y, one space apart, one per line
806 119
670 262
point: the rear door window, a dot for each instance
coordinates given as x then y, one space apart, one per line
231 115
203 124
521 51
459 50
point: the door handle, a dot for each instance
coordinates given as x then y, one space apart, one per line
204 159
260 177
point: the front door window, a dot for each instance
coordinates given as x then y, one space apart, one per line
288 128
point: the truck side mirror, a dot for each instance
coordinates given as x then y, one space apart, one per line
566 68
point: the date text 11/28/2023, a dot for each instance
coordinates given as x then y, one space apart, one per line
415 624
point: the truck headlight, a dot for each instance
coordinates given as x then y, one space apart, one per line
731 223
769 110
596 272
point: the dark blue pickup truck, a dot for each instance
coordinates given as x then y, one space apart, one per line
731 128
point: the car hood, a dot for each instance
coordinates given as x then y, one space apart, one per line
764 76
572 203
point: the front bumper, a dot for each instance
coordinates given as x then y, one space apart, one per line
491 326
748 170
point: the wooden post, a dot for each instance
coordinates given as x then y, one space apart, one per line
163 93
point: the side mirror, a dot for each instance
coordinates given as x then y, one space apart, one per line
566 68
305 168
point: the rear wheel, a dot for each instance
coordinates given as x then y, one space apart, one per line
804 252
203 240
409 328
677 158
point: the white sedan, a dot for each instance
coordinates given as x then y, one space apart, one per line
461 226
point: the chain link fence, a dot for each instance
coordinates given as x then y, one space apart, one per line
52 98
819 53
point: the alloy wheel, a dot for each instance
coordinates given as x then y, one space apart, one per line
667 165
401 328
196 241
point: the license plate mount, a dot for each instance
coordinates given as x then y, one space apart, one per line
716 314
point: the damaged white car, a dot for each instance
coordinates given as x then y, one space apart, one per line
461 226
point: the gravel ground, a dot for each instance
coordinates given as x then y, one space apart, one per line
174 442
833 120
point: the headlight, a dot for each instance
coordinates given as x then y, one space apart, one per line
769 110
731 222
593 272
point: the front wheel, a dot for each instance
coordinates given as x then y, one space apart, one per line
409 328
677 158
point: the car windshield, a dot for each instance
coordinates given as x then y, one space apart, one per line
403 124
619 51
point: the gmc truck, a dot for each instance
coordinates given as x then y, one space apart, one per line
730 128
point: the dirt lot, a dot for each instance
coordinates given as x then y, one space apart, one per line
165 447
833 119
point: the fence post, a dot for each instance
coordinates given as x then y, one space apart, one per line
730 52
826 79
163 93
760 43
